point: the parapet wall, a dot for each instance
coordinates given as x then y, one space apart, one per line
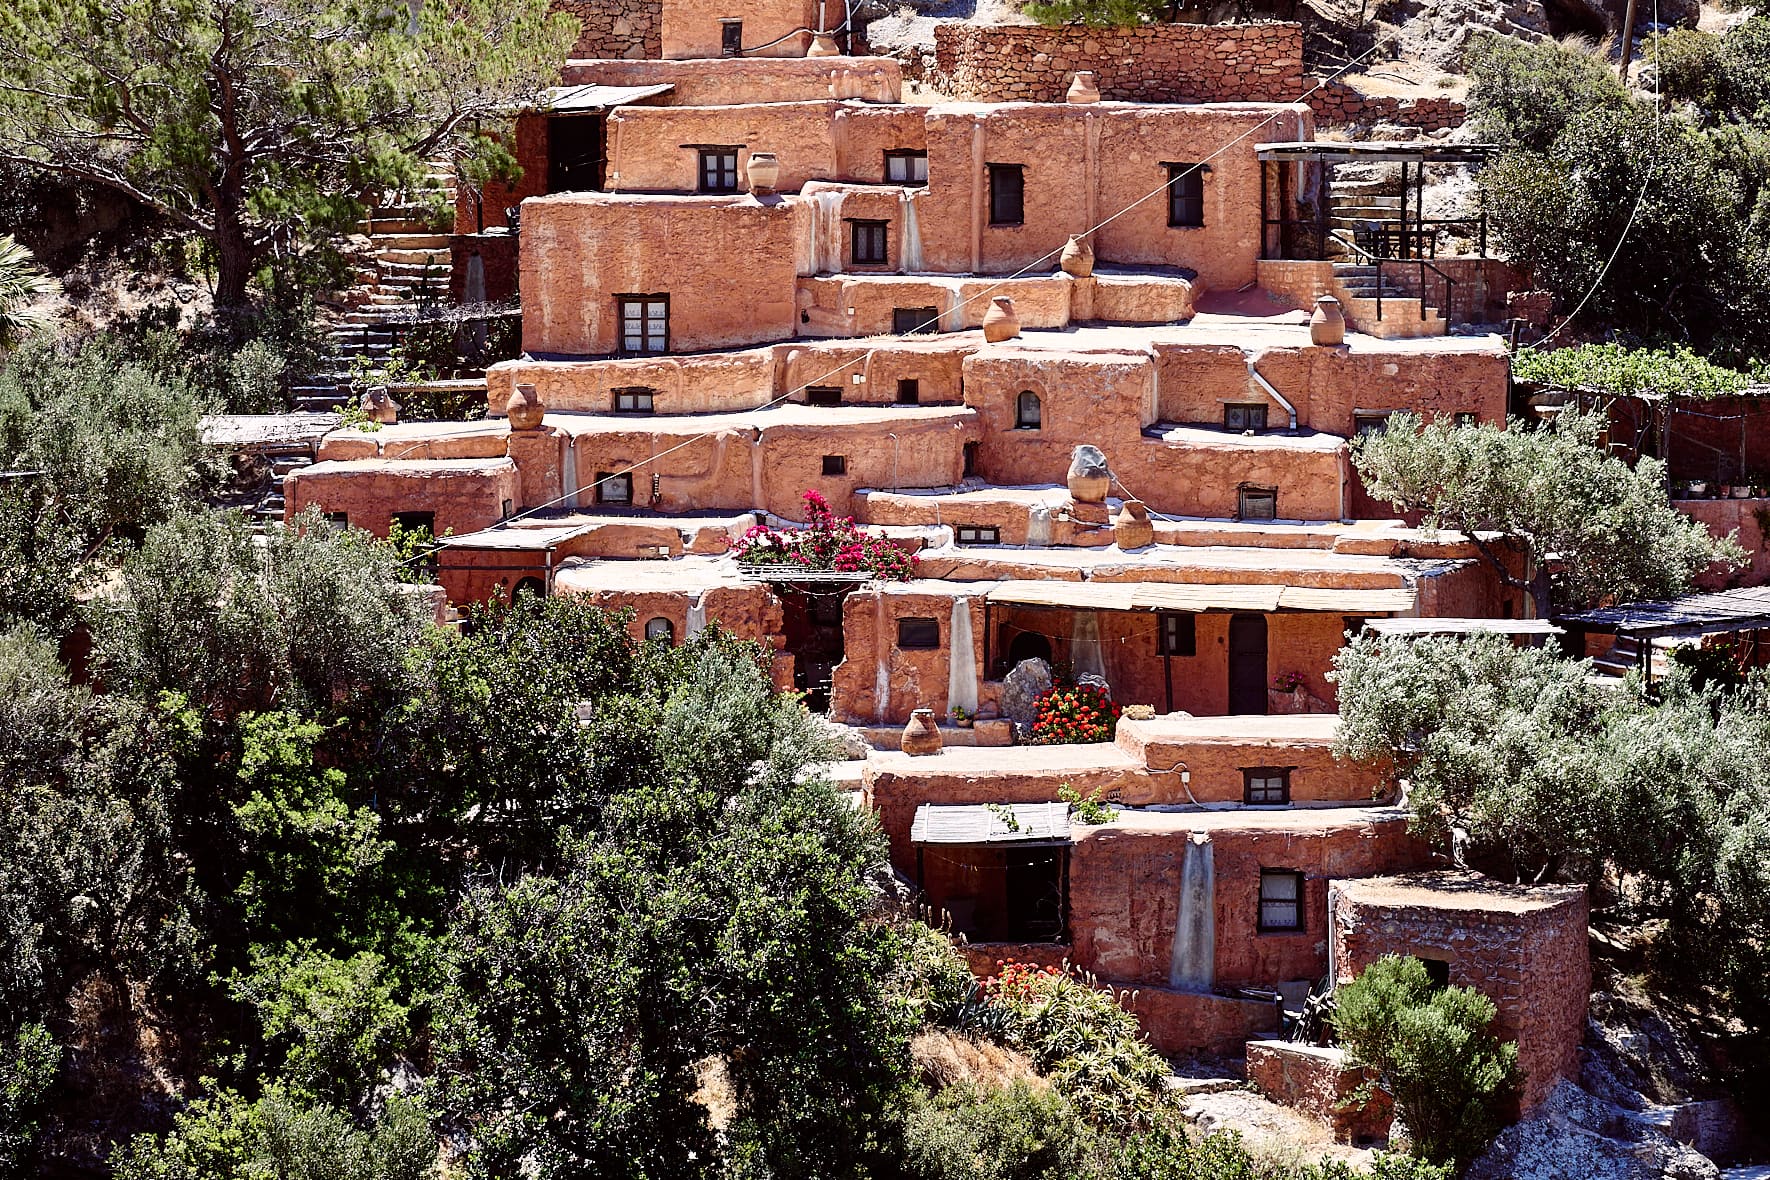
1336 103
1157 63
616 28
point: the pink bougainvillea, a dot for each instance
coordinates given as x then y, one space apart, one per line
827 542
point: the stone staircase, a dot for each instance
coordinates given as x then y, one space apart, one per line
1625 657
1401 313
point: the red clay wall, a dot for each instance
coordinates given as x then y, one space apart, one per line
465 494
1532 961
691 28
615 28
734 80
1157 63
1742 519
1319 1083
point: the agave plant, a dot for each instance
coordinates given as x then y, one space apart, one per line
22 281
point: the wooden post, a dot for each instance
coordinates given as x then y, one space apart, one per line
1628 38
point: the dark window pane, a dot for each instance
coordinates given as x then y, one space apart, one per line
1179 634
1258 504
1186 195
719 170
835 464
867 242
661 630
905 320
909 391
824 395
614 489
1007 194
918 633
1028 412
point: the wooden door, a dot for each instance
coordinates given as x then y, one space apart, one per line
1247 664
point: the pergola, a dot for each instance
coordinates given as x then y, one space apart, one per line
1726 612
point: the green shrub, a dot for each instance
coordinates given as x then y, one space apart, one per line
1449 1076
1015 1133
28 1062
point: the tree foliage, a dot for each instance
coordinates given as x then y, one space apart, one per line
1619 371
252 125
22 282
1434 1053
1595 529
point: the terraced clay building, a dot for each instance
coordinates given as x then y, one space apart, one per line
751 276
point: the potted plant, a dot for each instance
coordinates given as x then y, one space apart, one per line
1697 488
962 717
1288 693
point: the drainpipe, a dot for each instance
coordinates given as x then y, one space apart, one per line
1273 393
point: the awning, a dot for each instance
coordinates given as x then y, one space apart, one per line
1412 151
1744 609
1197 598
977 823
575 100
1462 626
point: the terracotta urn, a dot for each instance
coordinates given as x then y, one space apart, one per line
999 322
1077 259
1089 477
824 45
1132 528
1327 327
764 172
525 408
921 735
379 405
1084 88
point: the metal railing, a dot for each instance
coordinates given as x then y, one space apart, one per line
1424 266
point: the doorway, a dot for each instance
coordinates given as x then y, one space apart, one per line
812 624
574 153
1247 664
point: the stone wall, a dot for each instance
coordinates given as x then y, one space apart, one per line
1319 1083
616 28
1337 104
1157 63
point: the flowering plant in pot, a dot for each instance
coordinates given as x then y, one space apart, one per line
1287 682
1067 713
827 542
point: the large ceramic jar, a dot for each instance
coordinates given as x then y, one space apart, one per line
1327 327
525 408
1132 528
1077 259
921 735
1084 88
999 322
1089 477
764 172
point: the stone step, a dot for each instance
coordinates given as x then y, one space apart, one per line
403 257
422 239
282 466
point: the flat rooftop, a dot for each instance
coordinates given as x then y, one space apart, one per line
783 414
1460 891
1310 821
1238 730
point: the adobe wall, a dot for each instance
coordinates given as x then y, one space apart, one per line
465 494
1740 518
1179 1023
692 28
1125 882
1083 164
1158 63
486 210
1216 760
615 28
652 148
727 264
1319 1083
735 80
1524 948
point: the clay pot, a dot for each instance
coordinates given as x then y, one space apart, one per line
525 408
1077 259
824 45
1089 477
1132 528
764 171
921 735
999 322
1084 88
1327 327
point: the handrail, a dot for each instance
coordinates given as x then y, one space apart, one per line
1424 266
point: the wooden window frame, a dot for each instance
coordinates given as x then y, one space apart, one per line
1261 796
731 38
909 157
1370 421
1186 195
1301 923
977 534
835 464
622 305
1006 180
724 180
626 399
920 627
875 235
921 321
1021 420
1177 633
605 480
1247 410
1244 494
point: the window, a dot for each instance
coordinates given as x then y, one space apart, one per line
645 323
661 630
906 167
905 320
719 170
731 38
826 609
1179 634
1353 625
918 633
633 399
1364 422
866 242
977 534
1465 418
1186 195
341 520
1266 785
1028 413
1007 194
614 489
824 395
909 391
970 453
509 507
1257 504
1437 973
835 464
1244 417
1281 899
412 522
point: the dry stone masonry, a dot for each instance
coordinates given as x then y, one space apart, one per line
615 28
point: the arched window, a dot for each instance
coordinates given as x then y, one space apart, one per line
660 629
1028 414
531 586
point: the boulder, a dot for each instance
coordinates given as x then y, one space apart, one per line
1021 687
1575 1134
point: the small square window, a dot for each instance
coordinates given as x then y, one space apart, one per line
660 630
1244 417
731 38
633 400
906 321
835 464
909 391
1007 194
977 534
824 395
914 634
1353 625
906 167
1437 973
1029 412
614 489
719 170
411 522
341 520
867 245
645 323
1281 899
1363 424
1186 195
1266 786
1179 634
1465 418
1257 504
